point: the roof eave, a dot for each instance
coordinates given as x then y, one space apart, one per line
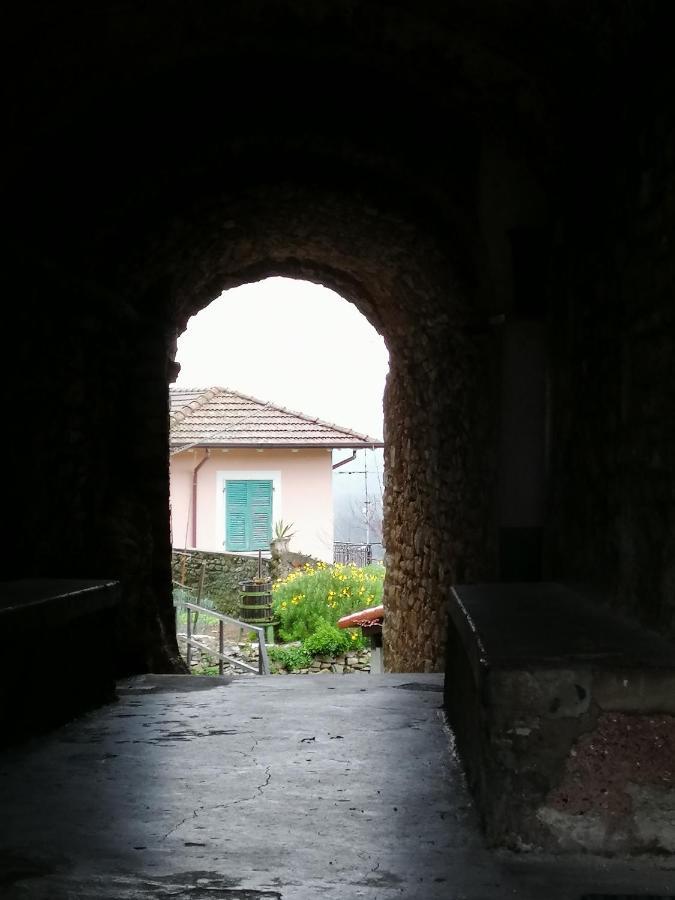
290 445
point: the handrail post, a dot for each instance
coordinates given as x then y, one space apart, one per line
263 659
200 589
200 592
263 662
188 635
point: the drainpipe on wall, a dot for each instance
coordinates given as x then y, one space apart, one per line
343 461
194 496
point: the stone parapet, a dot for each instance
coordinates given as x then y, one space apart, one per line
564 716
51 620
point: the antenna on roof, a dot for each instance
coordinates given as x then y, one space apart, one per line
367 502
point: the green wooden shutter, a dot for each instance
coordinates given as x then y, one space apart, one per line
248 524
236 505
260 507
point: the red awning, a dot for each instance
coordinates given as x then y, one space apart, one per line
366 618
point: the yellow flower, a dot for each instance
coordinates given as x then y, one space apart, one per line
354 636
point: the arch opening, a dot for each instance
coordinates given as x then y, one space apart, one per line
415 637
276 422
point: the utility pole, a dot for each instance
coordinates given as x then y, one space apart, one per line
367 501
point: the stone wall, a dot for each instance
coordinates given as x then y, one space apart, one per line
90 500
343 664
281 565
247 652
120 233
223 574
612 458
438 528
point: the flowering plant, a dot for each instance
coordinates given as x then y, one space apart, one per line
312 595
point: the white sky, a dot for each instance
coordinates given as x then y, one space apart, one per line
296 344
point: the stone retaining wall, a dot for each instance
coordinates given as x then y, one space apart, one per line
223 574
343 663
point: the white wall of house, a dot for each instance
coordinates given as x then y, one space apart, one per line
302 494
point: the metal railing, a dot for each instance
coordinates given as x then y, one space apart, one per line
263 661
359 554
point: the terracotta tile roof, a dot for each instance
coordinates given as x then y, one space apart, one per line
218 417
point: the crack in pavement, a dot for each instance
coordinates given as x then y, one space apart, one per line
202 809
268 776
195 815
259 788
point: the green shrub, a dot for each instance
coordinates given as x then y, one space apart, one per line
327 640
290 657
316 594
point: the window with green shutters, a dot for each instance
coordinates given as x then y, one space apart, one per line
248 515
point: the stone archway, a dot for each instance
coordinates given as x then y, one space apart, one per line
399 279
390 154
168 174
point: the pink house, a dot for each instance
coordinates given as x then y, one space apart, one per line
239 465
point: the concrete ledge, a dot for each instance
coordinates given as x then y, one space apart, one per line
47 625
57 601
564 715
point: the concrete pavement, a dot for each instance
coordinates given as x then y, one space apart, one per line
288 788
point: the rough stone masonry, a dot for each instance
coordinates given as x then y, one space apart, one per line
443 167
